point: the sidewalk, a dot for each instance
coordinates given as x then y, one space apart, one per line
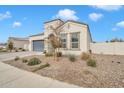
12 77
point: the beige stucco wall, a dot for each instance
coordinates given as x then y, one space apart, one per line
115 48
20 43
39 37
84 41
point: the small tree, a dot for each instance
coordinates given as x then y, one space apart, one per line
55 41
116 40
10 46
56 44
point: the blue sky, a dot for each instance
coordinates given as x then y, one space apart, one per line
105 22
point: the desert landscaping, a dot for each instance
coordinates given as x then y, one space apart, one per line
106 70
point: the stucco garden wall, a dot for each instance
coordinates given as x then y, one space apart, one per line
115 48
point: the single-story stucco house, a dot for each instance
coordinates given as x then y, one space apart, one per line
76 38
19 42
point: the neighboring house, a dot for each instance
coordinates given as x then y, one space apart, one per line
2 45
76 37
19 42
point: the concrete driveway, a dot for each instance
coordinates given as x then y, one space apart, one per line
12 77
9 56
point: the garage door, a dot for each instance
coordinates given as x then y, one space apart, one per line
38 45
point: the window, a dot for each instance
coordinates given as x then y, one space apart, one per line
75 40
64 40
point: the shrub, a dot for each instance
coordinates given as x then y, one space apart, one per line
24 60
16 58
48 54
23 50
1 48
20 48
72 58
44 51
41 67
16 50
34 61
91 62
85 56
59 54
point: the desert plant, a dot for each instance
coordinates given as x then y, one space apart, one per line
85 56
91 62
48 54
59 54
34 61
41 67
16 50
44 52
1 48
23 50
72 58
20 48
16 58
24 60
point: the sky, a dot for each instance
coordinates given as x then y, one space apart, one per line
105 22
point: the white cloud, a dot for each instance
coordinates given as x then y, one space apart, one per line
16 24
120 24
95 16
108 7
5 15
114 29
67 14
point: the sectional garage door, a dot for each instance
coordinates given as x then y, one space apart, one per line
38 45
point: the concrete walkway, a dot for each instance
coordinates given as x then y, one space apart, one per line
12 77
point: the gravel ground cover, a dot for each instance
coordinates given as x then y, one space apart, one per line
109 71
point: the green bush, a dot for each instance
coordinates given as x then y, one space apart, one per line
72 58
59 54
91 62
16 58
48 54
24 60
85 56
34 61
41 67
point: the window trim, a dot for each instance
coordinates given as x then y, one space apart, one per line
74 42
64 42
